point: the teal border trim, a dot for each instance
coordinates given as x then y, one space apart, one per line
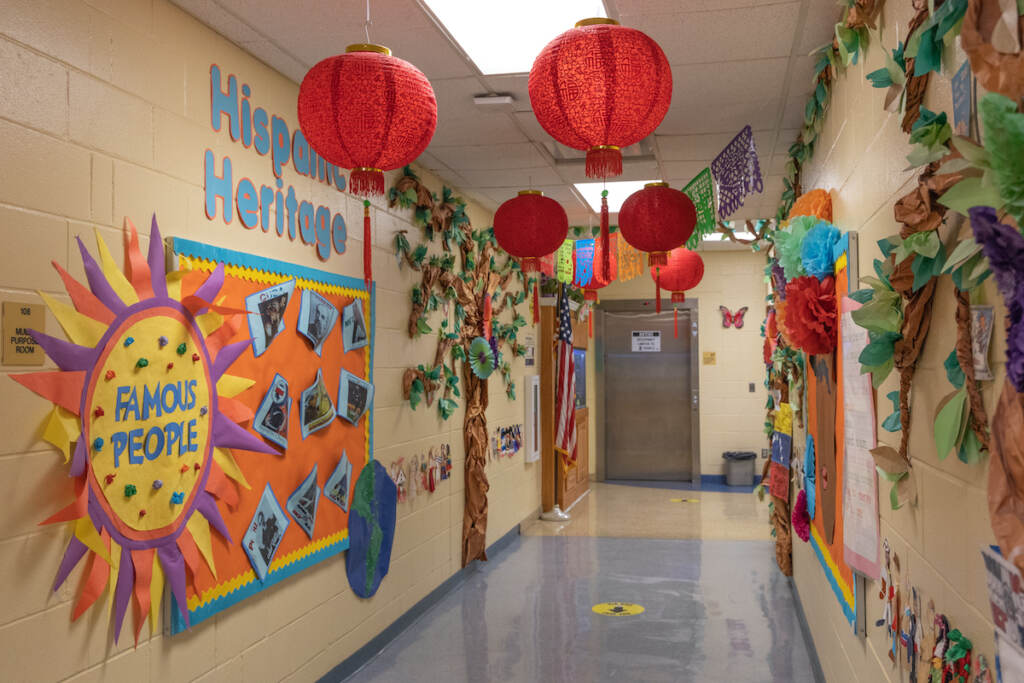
194 249
849 611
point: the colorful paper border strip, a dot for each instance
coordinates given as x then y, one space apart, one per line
198 256
844 593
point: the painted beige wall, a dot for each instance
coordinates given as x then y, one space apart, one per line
861 160
731 416
105 113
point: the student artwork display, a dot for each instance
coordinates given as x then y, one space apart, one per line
354 397
353 327
506 441
279 519
371 528
583 262
737 172
422 473
143 391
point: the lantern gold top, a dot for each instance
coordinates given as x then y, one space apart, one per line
657 184
593 21
368 47
534 192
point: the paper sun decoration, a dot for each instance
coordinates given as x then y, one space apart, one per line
481 358
151 456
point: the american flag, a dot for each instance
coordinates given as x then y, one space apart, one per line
565 398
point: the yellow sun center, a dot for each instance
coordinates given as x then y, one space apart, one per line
149 417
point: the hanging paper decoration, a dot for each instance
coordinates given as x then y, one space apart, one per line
631 263
657 219
597 282
732 318
599 87
685 270
583 262
371 529
146 481
369 112
547 264
701 192
737 172
816 203
530 226
564 262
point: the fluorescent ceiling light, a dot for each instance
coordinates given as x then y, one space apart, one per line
617 192
505 37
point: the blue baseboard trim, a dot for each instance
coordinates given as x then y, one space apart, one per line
805 629
363 655
708 482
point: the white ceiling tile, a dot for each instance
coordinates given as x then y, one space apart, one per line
681 172
484 157
517 177
706 147
794 114
819 25
740 81
516 85
777 166
721 35
716 117
634 7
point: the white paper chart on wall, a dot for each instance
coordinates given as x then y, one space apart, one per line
646 341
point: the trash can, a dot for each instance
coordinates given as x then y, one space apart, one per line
739 468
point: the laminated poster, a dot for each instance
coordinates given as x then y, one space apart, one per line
303 502
316 409
265 532
317 317
266 314
271 420
353 327
337 487
354 397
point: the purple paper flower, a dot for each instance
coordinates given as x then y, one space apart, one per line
779 280
1003 245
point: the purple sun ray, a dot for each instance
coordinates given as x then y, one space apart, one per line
174 569
227 434
66 355
78 459
228 355
72 556
123 592
209 289
157 274
98 282
208 506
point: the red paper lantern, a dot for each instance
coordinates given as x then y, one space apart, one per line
367 111
600 87
657 219
597 281
684 271
530 226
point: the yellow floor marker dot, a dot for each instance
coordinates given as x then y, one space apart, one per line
618 609
684 500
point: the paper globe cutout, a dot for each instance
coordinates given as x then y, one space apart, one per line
530 226
599 87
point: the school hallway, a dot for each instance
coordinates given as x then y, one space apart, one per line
700 563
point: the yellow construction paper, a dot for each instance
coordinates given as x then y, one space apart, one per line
200 530
81 329
230 386
114 276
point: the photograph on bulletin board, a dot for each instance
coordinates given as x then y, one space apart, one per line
291 512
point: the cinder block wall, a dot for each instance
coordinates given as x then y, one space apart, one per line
105 113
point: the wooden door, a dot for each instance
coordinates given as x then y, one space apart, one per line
577 478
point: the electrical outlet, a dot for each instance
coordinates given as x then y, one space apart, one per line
752 387
764 452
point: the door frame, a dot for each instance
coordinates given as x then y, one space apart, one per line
691 305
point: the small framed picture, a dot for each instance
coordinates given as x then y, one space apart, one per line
264 533
317 317
317 411
353 327
271 421
337 486
354 397
303 502
266 314
981 336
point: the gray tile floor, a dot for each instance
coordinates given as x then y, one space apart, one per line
715 611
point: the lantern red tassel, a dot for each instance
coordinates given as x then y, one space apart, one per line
367 245
606 251
366 182
657 290
590 325
604 161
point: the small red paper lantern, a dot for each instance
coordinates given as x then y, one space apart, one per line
598 281
684 271
530 226
657 219
368 112
600 87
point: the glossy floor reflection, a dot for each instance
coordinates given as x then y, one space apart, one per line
716 610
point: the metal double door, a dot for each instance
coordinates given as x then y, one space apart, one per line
650 390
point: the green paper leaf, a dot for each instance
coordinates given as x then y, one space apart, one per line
862 296
446 407
968 193
422 327
970 448
879 350
892 423
880 78
954 373
878 373
975 154
948 422
882 314
961 253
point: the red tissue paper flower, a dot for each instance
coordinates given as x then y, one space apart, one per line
801 520
811 314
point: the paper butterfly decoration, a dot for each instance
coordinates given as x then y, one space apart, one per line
733 319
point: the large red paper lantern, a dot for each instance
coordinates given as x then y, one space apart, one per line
530 226
683 271
368 112
599 87
657 219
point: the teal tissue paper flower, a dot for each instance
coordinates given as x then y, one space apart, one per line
789 242
818 250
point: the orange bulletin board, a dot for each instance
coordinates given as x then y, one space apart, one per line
824 393
291 355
